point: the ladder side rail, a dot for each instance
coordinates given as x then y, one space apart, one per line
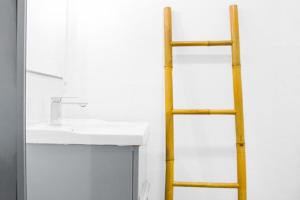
238 103
169 179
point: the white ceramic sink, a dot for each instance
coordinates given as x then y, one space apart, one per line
89 132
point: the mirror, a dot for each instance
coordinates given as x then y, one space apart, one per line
47 37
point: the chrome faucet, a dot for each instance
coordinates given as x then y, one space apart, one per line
56 102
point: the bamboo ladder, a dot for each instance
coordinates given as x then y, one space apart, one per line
237 111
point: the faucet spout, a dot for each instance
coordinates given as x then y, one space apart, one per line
81 104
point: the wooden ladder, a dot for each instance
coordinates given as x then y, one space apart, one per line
170 183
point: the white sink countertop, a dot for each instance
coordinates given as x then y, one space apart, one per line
88 132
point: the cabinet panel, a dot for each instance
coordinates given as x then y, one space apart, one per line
76 172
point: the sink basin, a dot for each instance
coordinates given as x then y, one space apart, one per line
88 132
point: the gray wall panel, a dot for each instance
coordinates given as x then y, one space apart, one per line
11 101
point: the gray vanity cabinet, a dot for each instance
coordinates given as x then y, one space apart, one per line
84 172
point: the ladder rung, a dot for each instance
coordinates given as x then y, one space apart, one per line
205 184
201 43
203 112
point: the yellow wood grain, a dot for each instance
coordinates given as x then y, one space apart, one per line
203 112
169 105
205 184
238 103
201 43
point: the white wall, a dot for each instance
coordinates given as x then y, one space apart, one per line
118 68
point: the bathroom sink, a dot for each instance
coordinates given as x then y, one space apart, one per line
88 132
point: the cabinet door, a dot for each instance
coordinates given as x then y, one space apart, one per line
77 172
